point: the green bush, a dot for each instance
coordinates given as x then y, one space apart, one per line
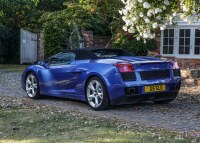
9 45
59 27
98 16
102 17
55 31
138 48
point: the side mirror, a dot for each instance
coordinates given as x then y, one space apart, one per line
42 63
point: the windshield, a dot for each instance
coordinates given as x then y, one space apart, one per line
108 53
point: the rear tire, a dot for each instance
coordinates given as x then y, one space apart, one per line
96 94
32 86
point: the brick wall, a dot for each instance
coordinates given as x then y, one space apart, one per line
95 41
102 41
186 63
40 46
190 71
88 39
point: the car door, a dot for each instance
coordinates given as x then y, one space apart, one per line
58 73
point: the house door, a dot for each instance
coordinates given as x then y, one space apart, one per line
28 47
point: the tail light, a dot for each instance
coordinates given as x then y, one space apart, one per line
125 67
176 69
175 65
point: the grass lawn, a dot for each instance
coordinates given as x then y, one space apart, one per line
44 124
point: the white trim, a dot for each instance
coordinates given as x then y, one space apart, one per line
176 42
194 21
161 44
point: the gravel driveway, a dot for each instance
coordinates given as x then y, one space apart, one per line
183 114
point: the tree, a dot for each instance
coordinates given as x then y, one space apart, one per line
99 16
18 13
144 18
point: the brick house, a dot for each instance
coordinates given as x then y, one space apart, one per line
181 42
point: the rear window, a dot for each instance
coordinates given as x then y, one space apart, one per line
108 53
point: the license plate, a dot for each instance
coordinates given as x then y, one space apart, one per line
154 88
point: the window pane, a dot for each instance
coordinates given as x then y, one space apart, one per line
55 61
165 49
168 41
165 42
170 49
197 50
184 41
197 41
181 41
181 34
197 33
181 50
171 41
166 33
62 59
187 41
171 32
187 32
187 50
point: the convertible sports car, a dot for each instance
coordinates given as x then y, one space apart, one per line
103 77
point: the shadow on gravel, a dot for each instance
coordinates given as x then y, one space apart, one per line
53 98
143 105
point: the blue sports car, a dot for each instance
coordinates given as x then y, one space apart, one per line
103 77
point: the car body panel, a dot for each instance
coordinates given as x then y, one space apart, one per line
69 81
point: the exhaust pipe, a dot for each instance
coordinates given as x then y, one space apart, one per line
132 90
176 87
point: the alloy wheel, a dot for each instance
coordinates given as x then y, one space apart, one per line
31 85
95 93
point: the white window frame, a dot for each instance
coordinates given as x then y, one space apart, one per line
176 43
161 48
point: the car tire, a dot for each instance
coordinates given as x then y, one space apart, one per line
96 94
32 86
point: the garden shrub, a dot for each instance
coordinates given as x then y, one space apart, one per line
58 27
101 17
55 31
137 47
9 45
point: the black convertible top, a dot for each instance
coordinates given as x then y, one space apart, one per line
84 54
89 53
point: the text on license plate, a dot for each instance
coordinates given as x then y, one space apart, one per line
154 88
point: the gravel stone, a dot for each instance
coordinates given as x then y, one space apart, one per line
183 114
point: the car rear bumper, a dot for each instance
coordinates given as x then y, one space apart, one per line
136 94
130 99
